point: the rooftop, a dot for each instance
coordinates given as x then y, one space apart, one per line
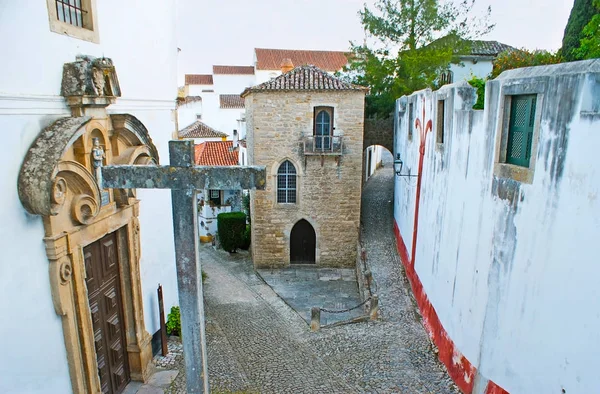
270 59
231 101
304 78
489 48
233 70
198 79
215 153
200 130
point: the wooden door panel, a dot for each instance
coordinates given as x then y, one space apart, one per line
104 292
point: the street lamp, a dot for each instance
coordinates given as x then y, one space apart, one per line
398 165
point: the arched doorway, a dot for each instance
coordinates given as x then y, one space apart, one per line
303 243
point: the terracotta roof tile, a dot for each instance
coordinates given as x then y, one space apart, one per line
234 70
270 59
304 78
198 79
200 130
230 101
216 153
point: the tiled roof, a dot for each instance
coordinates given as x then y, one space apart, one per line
198 79
234 70
188 99
304 78
200 130
270 59
216 153
489 48
230 101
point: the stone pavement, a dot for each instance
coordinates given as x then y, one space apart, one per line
305 287
258 344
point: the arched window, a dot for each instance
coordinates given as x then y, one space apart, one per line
323 127
286 183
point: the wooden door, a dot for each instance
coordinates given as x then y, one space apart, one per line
303 242
104 293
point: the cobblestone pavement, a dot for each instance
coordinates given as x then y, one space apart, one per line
257 344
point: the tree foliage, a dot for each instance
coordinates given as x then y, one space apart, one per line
589 45
407 54
523 58
581 14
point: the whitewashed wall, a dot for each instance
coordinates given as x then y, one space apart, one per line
511 268
198 90
30 78
188 113
233 83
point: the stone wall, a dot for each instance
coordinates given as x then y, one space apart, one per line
328 187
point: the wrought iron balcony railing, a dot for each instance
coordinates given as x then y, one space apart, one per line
323 145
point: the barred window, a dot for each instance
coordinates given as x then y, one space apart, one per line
286 183
74 18
70 11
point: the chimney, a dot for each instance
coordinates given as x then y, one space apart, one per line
235 140
286 65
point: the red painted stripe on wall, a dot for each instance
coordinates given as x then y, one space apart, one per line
459 368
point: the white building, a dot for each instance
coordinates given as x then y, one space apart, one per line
478 63
52 328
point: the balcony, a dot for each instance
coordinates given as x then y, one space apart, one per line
323 145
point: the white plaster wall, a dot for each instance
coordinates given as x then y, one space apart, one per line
465 71
187 114
233 83
265 75
30 78
515 288
199 90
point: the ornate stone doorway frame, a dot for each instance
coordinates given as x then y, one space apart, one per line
59 181
67 197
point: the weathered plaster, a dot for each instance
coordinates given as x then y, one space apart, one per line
504 265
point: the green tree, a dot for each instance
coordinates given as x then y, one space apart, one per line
581 14
523 58
589 45
407 54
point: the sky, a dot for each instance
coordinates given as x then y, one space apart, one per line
225 32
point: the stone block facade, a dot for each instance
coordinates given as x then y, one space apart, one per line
328 188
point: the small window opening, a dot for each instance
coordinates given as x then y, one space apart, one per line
70 11
410 121
441 106
215 197
520 129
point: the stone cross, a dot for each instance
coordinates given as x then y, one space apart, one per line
184 178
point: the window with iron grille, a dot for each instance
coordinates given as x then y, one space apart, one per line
520 129
70 11
74 18
286 183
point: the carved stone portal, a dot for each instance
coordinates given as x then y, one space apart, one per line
57 182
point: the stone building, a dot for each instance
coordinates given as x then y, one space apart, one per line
306 127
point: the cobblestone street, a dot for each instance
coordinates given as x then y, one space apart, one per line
258 344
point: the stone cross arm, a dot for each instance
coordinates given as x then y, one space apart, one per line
183 178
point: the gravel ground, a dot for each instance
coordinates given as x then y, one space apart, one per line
257 344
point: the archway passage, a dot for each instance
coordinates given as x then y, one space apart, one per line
303 243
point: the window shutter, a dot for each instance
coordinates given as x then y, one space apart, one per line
331 125
520 129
